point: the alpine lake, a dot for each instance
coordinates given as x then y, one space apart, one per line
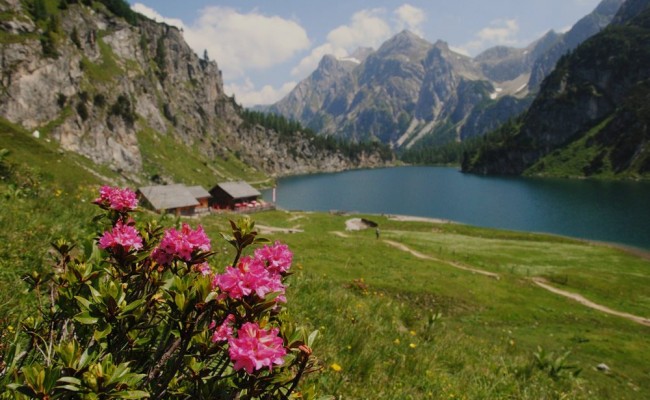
607 211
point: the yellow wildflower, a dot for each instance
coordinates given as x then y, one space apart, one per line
336 367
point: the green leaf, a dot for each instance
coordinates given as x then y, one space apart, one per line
211 296
312 338
84 302
85 318
100 334
132 306
131 394
179 299
70 388
70 379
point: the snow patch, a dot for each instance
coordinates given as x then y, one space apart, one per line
351 59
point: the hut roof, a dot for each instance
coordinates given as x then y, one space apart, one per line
238 190
198 192
164 197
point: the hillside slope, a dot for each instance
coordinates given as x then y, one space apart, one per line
591 116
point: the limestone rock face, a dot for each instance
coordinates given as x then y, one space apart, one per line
93 81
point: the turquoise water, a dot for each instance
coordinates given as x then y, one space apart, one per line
597 210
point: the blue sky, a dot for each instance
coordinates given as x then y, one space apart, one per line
265 47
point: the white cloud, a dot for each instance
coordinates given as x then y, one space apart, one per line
411 18
153 14
309 63
367 28
499 32
246 93
239 42
249 41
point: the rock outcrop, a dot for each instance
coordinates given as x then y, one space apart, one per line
94 82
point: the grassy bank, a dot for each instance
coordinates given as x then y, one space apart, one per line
400 325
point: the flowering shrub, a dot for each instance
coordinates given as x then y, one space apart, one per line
140 314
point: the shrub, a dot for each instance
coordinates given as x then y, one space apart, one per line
123 108
140 313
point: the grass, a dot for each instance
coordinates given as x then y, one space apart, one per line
392 325
46 160
105 71
165 156
373 301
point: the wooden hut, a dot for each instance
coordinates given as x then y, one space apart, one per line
234 196
202 196
176 199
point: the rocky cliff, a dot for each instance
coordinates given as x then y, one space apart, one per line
96 82
591 116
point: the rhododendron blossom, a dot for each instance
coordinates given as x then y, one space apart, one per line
181 244
203 268
250 276
124 236
224 331
277 257
121 200
255 348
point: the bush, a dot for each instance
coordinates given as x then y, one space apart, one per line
139 313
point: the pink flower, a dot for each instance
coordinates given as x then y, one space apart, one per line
114 198
203 268
232 283
250 276
197 238
224 331
277 258
124 236
255 348
181 244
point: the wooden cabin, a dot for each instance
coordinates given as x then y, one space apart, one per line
202 196
174 199
238 196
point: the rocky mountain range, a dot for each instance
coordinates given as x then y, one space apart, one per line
410 92
97 78
592 114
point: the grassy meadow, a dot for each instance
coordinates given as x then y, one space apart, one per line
393 325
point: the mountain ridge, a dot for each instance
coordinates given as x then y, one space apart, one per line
410 90
591 115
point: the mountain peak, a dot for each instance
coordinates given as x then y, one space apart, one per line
441 44
405 43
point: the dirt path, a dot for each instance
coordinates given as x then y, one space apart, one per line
541 282
451 263
340 234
